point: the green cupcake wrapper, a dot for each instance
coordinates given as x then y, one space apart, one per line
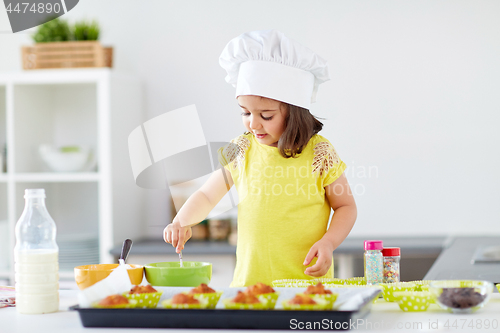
269 299
145 300
389 288
413 301
328 298
131 304
498 287
320 306
228 304
211 298
167 304
303 283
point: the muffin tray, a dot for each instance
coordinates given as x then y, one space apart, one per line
351 304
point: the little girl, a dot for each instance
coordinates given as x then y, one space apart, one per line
288 177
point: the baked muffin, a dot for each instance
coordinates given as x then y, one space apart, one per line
142 290
306 302
245 298
202 289
244 301
115 301
259 289
318 289
265 293
205 293
184 299
302 299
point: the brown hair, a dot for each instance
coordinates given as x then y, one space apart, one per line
300 126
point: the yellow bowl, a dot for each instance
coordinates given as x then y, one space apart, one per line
87 275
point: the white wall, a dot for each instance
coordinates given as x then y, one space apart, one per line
413 96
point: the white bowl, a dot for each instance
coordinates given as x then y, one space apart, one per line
66 159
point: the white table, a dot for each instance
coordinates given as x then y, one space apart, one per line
384 317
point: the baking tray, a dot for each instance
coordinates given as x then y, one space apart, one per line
352 304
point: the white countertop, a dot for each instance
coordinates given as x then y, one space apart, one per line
384 317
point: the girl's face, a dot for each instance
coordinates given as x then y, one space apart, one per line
264 117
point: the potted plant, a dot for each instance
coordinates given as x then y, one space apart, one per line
61 45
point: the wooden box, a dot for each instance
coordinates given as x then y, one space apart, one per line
67 55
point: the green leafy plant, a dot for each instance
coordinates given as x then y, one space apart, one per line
58 30
84 30
55 30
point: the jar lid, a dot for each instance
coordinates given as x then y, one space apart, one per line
373 245
34 193
391 252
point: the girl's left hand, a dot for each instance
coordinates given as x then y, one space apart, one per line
323 249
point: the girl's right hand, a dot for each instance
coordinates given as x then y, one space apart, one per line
176 235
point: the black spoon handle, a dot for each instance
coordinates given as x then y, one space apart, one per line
127 245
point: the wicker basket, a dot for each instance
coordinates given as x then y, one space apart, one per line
67 55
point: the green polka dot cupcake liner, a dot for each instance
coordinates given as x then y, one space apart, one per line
167 304
292 283
319 306
230 305
388 289
328 298
413 301
145 300
211 298
131 304
355 281
269 299
422 285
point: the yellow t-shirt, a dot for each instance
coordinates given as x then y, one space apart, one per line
282 209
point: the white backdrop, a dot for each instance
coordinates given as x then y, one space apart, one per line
412 106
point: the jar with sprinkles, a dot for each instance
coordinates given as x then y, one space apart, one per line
373 260
392 256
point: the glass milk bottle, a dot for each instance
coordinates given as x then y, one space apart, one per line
36 257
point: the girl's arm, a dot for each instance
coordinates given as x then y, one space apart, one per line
344 208
197 207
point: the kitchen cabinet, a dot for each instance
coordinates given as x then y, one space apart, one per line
93 209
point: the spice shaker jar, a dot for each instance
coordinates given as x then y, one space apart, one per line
392 256
373 262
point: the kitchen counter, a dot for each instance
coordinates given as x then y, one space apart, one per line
383 317
456 261
410 246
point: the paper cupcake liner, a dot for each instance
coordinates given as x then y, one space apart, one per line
211 298
413 301
320 306
168 305
228 304
355 281
422 285
389 288
328 298
145 300
303 283
131 304
292 283
269 299
498 287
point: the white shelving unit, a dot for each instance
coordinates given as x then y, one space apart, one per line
92 107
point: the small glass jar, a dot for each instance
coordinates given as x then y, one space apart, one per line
373 262
392 256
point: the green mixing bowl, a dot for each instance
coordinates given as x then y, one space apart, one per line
170 274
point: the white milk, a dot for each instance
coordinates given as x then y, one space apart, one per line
37 281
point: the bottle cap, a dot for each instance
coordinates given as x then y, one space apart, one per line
373 245
391 252
34 193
